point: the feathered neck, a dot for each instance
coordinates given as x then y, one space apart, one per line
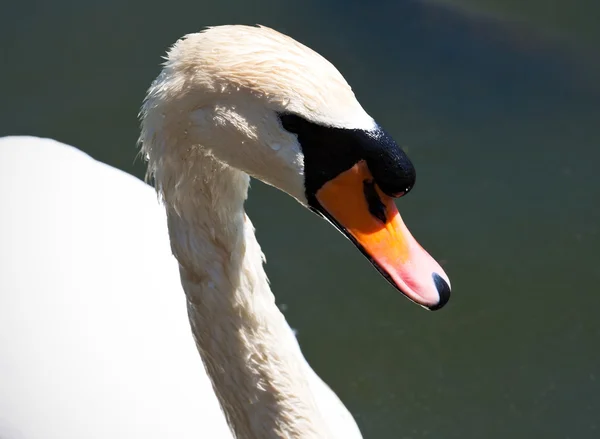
247 347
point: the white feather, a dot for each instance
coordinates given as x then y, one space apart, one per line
94 336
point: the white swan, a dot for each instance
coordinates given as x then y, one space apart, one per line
93 338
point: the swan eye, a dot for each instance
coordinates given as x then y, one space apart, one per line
329 151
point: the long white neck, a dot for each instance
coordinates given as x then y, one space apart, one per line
247 347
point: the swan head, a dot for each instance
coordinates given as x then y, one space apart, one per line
261 102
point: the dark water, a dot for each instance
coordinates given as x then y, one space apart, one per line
502 124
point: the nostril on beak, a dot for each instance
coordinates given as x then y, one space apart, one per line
443 290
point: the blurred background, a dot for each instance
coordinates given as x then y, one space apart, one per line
497 102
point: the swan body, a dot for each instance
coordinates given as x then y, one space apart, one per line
94 335
231 102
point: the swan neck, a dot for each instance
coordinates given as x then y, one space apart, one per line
249 351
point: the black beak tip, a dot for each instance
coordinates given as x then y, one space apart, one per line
443 290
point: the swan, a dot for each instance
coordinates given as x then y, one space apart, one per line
100 282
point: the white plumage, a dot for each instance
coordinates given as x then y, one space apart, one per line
95 339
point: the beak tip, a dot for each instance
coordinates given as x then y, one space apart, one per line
443 290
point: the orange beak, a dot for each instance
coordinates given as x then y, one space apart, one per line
369 218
